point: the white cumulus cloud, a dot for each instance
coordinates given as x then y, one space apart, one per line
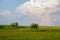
6 13
41 11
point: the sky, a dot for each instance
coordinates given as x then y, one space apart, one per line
26 12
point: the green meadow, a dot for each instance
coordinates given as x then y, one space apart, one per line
26 33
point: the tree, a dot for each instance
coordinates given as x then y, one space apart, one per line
34 26
14 25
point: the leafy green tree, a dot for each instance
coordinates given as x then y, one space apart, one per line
14 25
34 26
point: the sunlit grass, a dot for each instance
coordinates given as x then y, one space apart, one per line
28 34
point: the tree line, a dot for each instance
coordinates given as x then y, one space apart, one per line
33 26
16 25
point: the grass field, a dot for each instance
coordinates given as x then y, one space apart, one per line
43 33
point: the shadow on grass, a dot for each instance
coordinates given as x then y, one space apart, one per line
41 30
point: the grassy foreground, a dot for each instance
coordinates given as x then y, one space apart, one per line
43 33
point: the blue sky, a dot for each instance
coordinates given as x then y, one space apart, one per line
20 11
10 5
